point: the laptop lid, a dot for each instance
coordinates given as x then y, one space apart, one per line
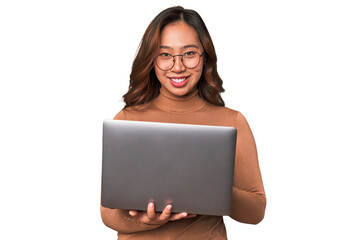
188 166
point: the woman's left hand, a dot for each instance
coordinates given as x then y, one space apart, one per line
153 218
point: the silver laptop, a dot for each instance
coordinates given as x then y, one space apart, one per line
188 166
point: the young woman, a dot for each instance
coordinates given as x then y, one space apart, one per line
174 79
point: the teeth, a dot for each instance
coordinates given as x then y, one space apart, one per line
178 80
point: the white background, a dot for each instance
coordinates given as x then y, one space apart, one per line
291 67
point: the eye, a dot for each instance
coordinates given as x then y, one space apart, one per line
190 53
165 55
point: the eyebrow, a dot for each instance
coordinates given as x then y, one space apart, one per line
184 47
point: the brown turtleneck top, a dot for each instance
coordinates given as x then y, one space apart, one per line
248 200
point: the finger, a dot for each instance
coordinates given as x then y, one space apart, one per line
178 216
151 211
191 216
133 213
166 213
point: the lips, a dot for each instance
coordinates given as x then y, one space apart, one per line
179 81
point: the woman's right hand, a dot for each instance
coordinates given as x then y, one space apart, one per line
152 218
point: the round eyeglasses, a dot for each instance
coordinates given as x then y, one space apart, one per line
166 61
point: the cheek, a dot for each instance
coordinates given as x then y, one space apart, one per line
198 72
199 68
158 73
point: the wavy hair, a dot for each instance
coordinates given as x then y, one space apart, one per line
144 85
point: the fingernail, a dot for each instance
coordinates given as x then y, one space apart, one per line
151 205
169 208
184 214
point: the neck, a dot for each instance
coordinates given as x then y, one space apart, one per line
173 103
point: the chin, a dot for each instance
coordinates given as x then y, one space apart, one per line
180 92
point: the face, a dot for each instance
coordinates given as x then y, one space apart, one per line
177 39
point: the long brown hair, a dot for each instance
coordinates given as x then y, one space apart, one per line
144 85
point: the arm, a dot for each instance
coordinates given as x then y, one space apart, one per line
120 220
248 200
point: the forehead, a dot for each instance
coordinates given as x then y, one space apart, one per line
179 34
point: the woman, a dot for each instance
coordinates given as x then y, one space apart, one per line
174 79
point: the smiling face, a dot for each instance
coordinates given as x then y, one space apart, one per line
177 39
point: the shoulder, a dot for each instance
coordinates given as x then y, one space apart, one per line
241 123
132 112
240 118
226 116
226 112
120 115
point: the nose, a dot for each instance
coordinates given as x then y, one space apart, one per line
178 65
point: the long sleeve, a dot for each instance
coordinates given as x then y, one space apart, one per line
121 221
248 201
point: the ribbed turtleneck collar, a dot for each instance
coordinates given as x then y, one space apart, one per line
173 103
